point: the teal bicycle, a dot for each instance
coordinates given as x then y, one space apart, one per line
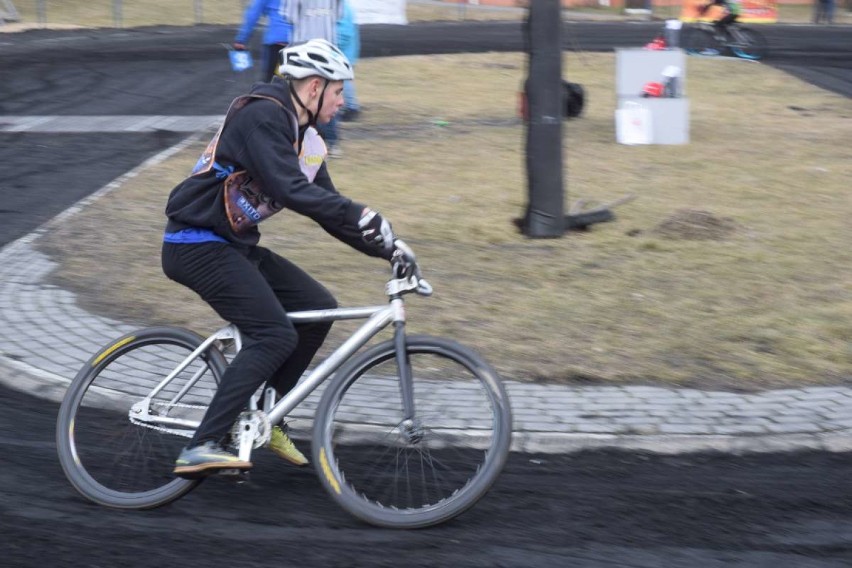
704 39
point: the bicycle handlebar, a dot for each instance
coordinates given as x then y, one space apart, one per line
406 271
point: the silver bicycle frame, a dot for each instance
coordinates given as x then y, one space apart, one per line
378 317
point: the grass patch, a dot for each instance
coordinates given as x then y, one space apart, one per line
730 270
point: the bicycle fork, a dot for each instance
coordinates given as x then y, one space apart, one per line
410 427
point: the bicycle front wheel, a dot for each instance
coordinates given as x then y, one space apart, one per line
700 41
749 44
412 473
117 440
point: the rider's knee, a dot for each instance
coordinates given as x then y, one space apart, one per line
277 336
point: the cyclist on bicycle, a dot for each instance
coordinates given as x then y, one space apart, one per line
266 156
731 13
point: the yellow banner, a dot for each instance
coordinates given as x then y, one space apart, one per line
754 11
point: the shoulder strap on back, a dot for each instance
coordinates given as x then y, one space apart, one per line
208 157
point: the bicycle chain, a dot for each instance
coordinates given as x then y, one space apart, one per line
183 433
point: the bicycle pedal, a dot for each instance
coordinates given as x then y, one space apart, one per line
237 475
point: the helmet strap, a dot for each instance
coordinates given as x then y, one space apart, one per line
312 118
313 121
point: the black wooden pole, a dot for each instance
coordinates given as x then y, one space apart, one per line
545 212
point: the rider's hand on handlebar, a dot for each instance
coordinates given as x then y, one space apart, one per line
376 230
403 264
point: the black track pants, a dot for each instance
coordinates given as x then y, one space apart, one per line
253 288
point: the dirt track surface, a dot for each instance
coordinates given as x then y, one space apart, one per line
592 509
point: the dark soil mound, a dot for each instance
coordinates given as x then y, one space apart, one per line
695 225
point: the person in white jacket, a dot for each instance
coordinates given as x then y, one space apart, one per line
317 19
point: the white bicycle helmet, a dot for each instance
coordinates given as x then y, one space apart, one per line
315 57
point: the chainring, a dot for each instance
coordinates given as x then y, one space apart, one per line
257 417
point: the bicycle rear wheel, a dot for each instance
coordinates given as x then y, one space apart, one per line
700 41
749 44
414 474
117 443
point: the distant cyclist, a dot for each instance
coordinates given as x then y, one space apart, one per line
731 13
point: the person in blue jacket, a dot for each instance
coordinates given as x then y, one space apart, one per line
349 42
279 32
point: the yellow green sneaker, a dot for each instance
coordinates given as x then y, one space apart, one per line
282 446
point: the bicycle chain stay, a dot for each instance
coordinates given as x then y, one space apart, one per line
253 425
184 433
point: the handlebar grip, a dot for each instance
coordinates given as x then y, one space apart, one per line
413 272
406 250
424 288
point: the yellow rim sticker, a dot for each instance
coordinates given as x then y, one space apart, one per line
106 352
326 469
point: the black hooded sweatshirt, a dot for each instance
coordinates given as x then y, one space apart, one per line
261 138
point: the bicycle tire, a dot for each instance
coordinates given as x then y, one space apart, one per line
699 41
112 460
359 417
754 47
